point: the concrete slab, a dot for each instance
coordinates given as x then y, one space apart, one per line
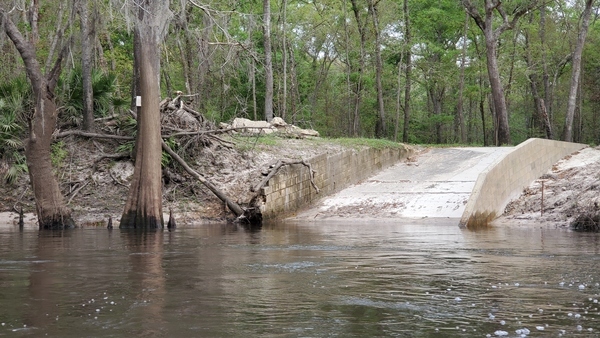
436 185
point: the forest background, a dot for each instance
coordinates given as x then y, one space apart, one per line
416 71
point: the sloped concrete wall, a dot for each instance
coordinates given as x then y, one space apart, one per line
505 179
290 189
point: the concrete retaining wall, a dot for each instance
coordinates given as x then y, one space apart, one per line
290 189
505 179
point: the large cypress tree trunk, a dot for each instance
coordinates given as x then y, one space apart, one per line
50 206
143 209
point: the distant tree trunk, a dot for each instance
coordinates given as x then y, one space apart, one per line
381 127
407 88
545 73
462 130
285 61
398 96
143 209
492 36
436 96
253 76
540 106
572 102
86 66
268 60
51 209
361 67
33 16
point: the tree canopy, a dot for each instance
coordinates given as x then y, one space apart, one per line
336 66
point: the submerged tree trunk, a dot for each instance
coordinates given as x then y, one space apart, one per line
51 209
143 209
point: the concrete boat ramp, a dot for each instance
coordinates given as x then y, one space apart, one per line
435 183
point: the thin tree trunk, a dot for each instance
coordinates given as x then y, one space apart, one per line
285 61
545 74
253 76
398 96
407 86
540 106
86 66
268 60
492 36
498 99
461 85
33 17
381 129
572 102
51 209
361 67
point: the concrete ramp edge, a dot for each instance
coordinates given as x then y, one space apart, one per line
505 179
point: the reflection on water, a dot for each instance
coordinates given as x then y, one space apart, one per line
301 280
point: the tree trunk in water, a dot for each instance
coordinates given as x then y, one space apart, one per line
585 22
86 67
51 209
143 209
268 61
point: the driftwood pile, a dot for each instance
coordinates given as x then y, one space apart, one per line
192 130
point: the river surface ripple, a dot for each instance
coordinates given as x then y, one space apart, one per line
301 280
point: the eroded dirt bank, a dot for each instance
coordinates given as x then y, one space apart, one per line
95 183
570 189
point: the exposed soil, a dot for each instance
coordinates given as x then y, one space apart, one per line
97 187
571 190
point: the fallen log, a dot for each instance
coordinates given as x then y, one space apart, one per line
237 210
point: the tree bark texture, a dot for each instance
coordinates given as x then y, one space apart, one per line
498 99
268 61
381 125
51 209
576 72
86 67
408 70
492 35
143 209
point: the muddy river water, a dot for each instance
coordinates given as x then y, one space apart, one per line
387 279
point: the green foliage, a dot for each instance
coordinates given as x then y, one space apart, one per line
58 153
15 103
166 159
104 87
126 147
366 142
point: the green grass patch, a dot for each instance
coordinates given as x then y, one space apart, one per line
366 142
